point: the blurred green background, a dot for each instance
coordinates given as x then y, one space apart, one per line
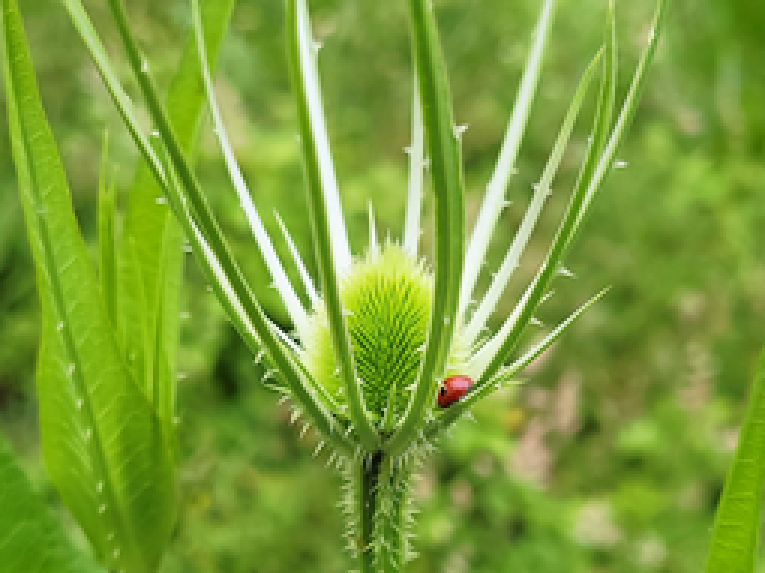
612 457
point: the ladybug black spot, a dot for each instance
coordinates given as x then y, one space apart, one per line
443 390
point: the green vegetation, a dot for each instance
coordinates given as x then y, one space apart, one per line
612 457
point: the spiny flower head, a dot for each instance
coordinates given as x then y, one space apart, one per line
387 298
383 330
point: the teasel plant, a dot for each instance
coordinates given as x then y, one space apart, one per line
383 330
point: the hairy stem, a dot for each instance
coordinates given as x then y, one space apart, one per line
380 514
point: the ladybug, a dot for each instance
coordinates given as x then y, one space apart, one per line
452 389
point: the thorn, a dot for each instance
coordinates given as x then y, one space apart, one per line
269 374
563 271
459 130
619 164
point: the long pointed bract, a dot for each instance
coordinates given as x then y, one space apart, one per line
584 192
416 172
512 258
96 49
495 190
324 213
446 173
310 289
307 52
287 294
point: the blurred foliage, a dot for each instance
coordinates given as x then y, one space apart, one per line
611 458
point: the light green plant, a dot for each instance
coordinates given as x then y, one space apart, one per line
106 373
382 330
735 537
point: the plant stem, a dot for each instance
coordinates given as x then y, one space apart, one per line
380 513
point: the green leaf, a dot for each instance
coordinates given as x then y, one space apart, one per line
737 521
31 539
153 239
446 172
103 445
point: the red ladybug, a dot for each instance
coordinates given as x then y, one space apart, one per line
452 389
